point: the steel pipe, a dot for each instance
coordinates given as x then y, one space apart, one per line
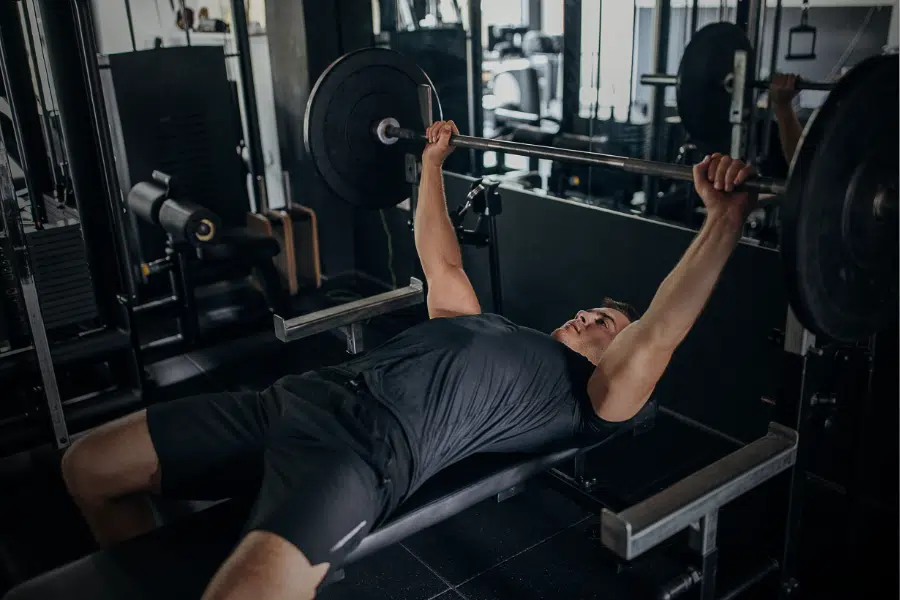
596 159
763 84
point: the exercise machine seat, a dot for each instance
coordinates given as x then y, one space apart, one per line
177 561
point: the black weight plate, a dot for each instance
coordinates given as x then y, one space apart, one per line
351 97
840 259
703 102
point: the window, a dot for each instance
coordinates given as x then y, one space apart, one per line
614 31
552 17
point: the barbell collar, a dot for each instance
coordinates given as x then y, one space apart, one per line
596 159
665 79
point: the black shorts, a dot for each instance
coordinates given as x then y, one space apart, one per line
324 461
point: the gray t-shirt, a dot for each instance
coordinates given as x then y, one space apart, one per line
479 383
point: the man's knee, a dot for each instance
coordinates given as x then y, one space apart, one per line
113 460
264 566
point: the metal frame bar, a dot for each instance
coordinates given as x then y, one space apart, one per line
773 67
9 218
289 330
251 110
738 115
571 64
662 17
645 525
475 56
20 96
667 79
706 533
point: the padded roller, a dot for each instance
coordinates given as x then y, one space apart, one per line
146 199
189 222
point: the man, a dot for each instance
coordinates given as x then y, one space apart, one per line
786 130
782 91
329 454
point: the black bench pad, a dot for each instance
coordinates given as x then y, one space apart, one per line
178 560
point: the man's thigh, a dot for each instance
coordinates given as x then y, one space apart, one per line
210 446
320 497
114 459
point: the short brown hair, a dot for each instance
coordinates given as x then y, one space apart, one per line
624 308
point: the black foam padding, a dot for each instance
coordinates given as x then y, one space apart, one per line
182 219
146 199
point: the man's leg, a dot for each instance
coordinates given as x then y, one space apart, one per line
204 448
266 566
315 505
106 471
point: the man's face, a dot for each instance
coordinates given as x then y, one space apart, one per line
592 331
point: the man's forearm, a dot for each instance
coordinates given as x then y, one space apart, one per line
683 294
436 240
789 130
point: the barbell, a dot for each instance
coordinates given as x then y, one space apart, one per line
667 80
704 83
631 165
839 238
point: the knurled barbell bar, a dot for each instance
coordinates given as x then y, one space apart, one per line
595 159
663 79
839 241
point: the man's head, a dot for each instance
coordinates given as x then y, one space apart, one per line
592 331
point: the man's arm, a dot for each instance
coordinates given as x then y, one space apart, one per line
631 366
782 91
450 293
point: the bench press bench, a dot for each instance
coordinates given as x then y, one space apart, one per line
178 560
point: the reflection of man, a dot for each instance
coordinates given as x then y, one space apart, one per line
782 91
785 131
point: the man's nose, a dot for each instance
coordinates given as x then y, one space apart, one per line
582 316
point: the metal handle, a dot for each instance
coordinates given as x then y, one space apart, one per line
630 165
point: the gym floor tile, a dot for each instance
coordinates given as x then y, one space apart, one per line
389 574
177 377
490 532
449 595
569 565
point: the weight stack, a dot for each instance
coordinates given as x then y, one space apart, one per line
62 275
